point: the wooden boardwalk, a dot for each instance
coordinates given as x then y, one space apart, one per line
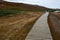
40 30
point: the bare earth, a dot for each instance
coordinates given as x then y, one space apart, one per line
17 26
40 30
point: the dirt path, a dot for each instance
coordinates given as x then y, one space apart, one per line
40 30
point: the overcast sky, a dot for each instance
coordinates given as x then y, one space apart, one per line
46 3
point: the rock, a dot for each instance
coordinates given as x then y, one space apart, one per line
54 24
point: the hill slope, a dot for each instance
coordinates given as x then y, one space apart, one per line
22 6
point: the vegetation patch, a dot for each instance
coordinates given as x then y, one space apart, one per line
5 12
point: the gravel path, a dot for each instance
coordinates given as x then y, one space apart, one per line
40 30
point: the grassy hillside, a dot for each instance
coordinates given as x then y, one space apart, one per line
22 6
7 8
4 12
